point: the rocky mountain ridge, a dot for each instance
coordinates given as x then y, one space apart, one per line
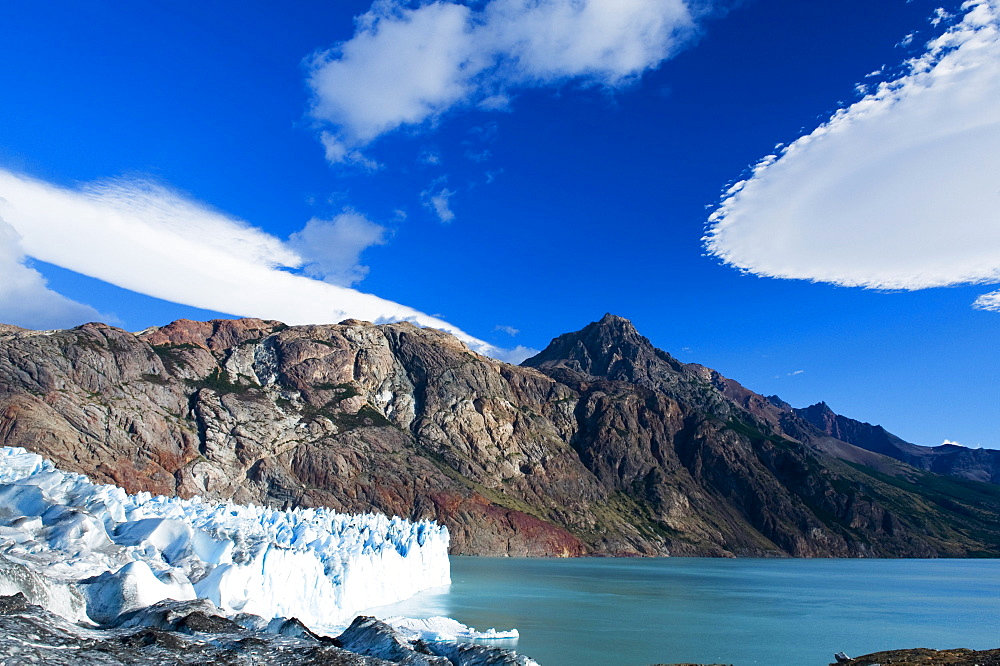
950 459
600 444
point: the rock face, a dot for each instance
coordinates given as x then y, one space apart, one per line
601 444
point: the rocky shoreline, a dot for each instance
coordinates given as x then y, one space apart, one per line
926 657
909 657
194 633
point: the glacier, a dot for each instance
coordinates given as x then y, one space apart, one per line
91 552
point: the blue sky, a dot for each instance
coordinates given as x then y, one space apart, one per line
512 170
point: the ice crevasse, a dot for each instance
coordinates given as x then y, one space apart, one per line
94 551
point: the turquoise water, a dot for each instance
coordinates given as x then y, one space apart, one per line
796 612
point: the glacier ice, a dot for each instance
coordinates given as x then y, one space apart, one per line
438 629
94 552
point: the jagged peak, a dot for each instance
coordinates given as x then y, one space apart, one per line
610 347
614 323
821 416
610 318
610 326
777 401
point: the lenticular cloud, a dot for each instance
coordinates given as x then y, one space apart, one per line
25 298
155 242
897 191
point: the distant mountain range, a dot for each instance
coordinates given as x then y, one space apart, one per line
951 459
601 444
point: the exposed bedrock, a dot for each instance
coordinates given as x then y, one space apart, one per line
601 444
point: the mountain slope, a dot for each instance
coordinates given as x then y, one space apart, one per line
959 461
601 444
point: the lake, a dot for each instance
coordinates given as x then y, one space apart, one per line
745 611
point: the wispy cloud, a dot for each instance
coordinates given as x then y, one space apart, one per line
897 191
437 200
941 15
515 355
337 151
431 157
990 302
156 242
331 249
509 330
26 300
408 65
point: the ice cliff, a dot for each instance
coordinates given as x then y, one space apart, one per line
88 551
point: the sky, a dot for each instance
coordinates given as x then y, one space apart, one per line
801 195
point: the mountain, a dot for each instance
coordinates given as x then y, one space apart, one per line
950 459
600 444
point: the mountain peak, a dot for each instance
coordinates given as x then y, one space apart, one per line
778 402
613 320
612 329
820 410
609 348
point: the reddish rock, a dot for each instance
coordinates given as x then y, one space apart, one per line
605 445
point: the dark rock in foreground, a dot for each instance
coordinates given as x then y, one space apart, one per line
927 657
369 636
31 634
191 633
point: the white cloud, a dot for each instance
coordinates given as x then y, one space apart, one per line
897 191
155 242
26 300
949 442
408 66
941 15
430 157
401 67
331 249
990 301
605 41
120 204
509 330
513 356
337 151
437 201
